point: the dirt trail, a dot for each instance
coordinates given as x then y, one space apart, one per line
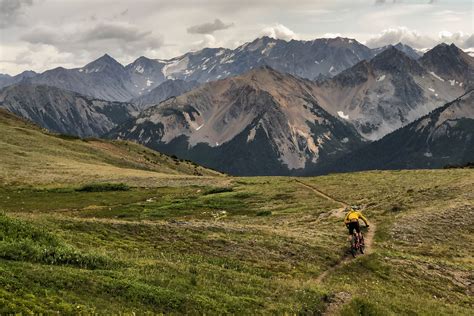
343 297
321 193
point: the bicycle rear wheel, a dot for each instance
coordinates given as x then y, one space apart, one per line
354 245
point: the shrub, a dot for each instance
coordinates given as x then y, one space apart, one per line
67 137
218 190
264 213
396 207
362 307
103 187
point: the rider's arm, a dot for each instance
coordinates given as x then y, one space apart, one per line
362 217
346 219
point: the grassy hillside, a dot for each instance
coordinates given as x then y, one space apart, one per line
30 155
258 245
170 242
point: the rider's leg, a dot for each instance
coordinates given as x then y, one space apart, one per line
359 234
351 232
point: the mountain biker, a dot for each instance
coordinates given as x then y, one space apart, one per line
352 221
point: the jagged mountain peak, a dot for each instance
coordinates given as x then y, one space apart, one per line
443 50
409 51
394 60
101 63
450 63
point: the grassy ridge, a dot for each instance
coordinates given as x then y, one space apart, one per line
30 155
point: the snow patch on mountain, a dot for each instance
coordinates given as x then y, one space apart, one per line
436 76
175 66
268 48
251 135
139 69
342 115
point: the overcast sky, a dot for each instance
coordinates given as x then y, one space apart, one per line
43 34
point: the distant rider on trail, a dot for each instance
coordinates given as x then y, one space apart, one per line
352 221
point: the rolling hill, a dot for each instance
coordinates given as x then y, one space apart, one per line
33 155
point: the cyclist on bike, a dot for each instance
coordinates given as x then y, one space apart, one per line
352 221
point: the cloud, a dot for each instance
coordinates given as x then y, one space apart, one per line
417 40
279 31
120 39
460 39
397 35
332 35
209 28
208 41
11 11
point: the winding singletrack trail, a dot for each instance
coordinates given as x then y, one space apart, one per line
343 297
321 193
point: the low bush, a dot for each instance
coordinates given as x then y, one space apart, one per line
218 190
264 213
103 187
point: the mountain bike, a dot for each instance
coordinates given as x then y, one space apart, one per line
357 244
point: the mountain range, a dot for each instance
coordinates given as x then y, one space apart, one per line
267 122
385 93
268 107
107 79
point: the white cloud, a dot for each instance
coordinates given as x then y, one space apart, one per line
279 31
399 34
332 35
417 40
207 41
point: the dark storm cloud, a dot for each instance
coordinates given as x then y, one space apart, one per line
11 11
209 28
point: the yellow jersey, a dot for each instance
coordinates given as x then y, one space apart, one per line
354 216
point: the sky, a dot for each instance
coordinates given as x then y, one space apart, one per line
43 34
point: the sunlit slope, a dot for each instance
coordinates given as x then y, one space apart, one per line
31 155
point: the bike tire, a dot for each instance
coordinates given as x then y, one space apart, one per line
354 246
362 246
354 252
